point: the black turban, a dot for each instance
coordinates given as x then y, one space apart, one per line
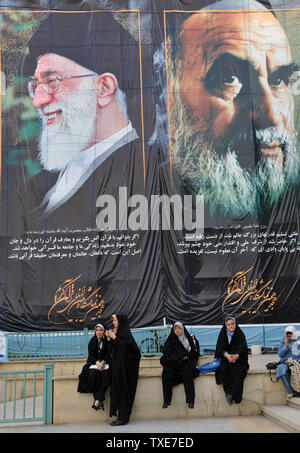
94 40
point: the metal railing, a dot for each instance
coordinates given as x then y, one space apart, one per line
60 344
151 342
47 345
21 397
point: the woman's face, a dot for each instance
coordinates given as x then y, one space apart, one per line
115 322
99 332
230 324
177 330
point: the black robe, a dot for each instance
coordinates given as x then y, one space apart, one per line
175 369
114 274
232 375
197 347
91 380
124 370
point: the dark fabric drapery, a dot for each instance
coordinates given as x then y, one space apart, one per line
124 370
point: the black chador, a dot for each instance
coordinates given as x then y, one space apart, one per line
92 380
232 375
124 371
178 361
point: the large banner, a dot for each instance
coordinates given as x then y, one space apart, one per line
149 165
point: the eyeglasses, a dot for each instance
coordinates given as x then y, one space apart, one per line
50 83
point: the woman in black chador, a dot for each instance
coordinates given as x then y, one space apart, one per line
125 363
95 375
232 349
178 361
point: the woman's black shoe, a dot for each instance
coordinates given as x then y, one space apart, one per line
96 407
229 399
191 405
118 423
165 405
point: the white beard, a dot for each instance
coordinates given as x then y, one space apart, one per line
227 187
72 132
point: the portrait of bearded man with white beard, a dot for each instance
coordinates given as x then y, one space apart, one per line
226 129
78 113
77 87
84 82
231 108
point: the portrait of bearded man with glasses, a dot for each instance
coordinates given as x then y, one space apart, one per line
80 69
82 77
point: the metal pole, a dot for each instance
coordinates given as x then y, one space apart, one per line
48 392
86 342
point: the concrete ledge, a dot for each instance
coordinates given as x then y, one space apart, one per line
61 367
69 406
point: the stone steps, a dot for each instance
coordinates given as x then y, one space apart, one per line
294 402
287 416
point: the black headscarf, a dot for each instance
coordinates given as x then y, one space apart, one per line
98 349
124 333
174 350
125 367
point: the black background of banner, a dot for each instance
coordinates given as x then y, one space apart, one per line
159 282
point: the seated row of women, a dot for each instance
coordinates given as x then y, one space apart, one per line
113 362
179 361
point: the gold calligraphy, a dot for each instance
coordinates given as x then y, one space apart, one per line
78 303
251 296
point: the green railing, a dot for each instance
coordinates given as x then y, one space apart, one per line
20 395
151 341
47 345
61 344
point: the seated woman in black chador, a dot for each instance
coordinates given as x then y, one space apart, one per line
125 363
95 375
232 349
178 361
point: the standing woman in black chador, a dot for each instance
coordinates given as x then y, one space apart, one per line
95 375
124 370
178 361
232 349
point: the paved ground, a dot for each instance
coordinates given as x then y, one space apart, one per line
242 424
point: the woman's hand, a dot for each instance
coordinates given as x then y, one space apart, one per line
185 357
111 335
100 365
228 357
232 358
